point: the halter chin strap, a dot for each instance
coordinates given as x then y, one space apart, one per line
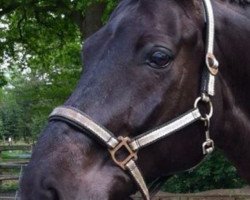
117 145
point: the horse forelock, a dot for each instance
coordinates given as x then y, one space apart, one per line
151 8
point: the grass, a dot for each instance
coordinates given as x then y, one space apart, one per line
8 186
6 155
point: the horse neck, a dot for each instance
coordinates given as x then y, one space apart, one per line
232 47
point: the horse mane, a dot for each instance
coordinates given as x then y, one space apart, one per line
239 2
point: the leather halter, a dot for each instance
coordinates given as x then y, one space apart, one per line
115 144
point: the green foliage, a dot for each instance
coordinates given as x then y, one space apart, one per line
15 155
214 173
8 186
111 4
36 34
40 45
32 33
3 80
26 105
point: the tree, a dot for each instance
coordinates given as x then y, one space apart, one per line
30 30
40 43
215 172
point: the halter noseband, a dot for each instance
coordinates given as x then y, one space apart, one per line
80 120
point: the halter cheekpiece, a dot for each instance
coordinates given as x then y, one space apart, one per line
80 120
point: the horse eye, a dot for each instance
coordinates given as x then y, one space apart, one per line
159 59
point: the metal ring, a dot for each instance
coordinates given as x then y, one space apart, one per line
211 110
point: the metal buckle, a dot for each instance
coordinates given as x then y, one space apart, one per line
124 143
208 147
212 64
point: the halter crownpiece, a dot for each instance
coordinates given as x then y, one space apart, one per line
208 81
80 120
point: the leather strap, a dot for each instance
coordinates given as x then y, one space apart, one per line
208 78
82 121
137 176
165 130
210 25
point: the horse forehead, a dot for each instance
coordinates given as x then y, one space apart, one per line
144 13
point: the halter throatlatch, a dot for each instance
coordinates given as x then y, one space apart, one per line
115 145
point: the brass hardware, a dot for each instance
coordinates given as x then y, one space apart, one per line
124 143
212 64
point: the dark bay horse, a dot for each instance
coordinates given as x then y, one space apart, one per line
142 69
